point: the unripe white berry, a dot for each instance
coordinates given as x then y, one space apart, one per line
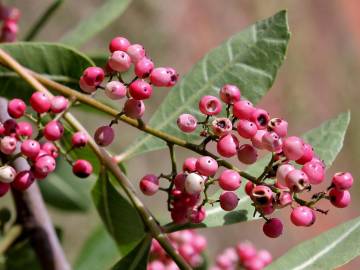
194 183
7 174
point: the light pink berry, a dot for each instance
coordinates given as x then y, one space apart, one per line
93 76
194 183
156 265
228 200
315 172
149 184
24 130
254 264
273 228
199 242
79 139
53 130
134 108
307 156
144 67
136 52
104 136
16 108
206 166
119 44
246 128
247 154
85 87
282 171
210 105
227 145
245 251
262 195
50 149
7 174
297 180
221 126
257 139
342 180
163 77
261 118
40 102
30 148
229 180
187 122
59 104
302 216
82 168
189 164
272 142
265 256
119 61
23 180
230 94
115 90
7 145
293 147
340 199
243 109
45 165
284 199
279 126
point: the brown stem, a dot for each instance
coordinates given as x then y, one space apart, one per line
34 218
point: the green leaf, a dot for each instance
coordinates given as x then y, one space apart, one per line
21 256
327 140
249 59
55 61
120 218
95 22
64 190
137 258
98 252
329 250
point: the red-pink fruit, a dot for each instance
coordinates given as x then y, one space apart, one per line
210 105
261 118
45 165
24 130
144 67
30 148
243 109
149 184
282 172
279 126
307 156
119 44
16 108
197 214
227 145
302 216
262 195
4 188
187 123
189 164
194 183
297 180
342 180
93 76
59 104
273 228
249 186
206 166
134 108
23 180
89 89
136 52
340 199
50 149
229 180
119 61
257 139
247 154
315 172
246 128
7 145
53 130
140 89
293 147
115 90
228 200
245 251
272 142
230 94
79 139
104 136
82 168
40 102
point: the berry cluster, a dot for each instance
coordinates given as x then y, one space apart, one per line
188 243
17 139
10 17
123 56
243 256
292 170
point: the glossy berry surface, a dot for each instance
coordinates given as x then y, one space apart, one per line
53 130
206 166
227 145
82 168
247 154
40 102
104 136
79 139
134 108
16 108
115 90
140 90
273 228
342 180
228 200
119 44
302 216
149 184
230 94
229 180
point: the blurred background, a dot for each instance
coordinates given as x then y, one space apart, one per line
318 80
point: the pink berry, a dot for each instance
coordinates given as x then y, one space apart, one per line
228 200
206 166
53 130
7 174
50 149
210 105
59 104
272 142
197 215
261 118
246 128
115 90
104 136
340 199
223 262
247 154
282 171
45 165
187 123
293 147
342 181
194 183
16 108
315 172
267 209
199 242
134 108
82 168
140 90
23 180
119 61
156 265
93 76
297 180
2 129
4 188
10 127
279 126
257 139
254 264
190 164
262 195
164 77
119 44
245 251
243 109
40 102
221 126
273 228
30 148
179 181
265 256
24 130
149 184
7 145
302 216
85 87
179 215
136 52
307 156
144 67
9 31
227 145
249 186
229 180
230 94
284 199
79 139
